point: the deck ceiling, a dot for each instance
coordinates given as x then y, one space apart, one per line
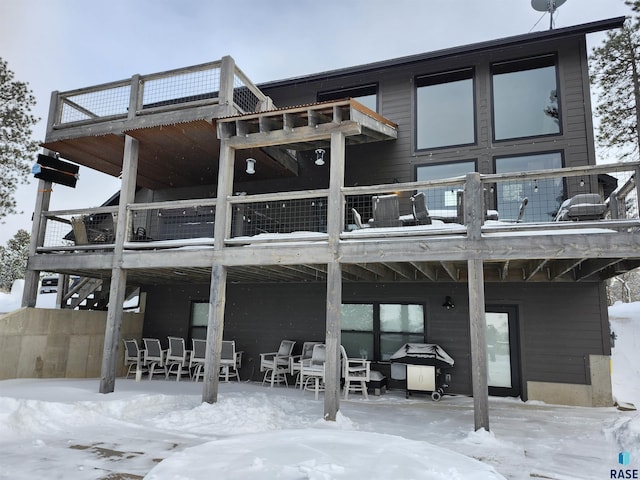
186 153
540 270
178 155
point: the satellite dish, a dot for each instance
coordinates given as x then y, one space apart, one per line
547 6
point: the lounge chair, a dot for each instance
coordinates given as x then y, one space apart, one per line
386 212
584 206
419 209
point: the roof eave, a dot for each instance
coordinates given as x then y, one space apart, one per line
583 29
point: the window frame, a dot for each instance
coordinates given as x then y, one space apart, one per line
520 65
440 78
530 154
434 206
192 327
377 331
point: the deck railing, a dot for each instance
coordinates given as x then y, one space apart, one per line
473 205
220 82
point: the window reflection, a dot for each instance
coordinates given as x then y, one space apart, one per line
544 195
525 98
445 110
442 201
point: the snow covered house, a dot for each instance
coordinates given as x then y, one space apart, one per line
409 200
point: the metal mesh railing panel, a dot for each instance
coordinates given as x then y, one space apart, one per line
107 102
181 88
286 216
243 97
173 223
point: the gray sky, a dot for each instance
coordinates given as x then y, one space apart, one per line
68 44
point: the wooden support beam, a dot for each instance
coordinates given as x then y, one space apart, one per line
478 336
562 267
332 342
118 285
593 266
403 270
539 265
427 270
452 270
32 277
215 331
504 271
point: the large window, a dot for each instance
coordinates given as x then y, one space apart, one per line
441 201
377 330
199 319
366 95
445 114
525 98
544 195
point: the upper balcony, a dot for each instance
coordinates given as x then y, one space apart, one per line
171 112
472 216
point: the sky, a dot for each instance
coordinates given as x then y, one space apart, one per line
160 429
60 45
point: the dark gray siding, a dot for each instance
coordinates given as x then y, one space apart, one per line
382 162
559 324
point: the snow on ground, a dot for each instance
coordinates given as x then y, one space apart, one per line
59 428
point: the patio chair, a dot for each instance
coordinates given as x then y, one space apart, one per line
196 360
176 363
275 365
419 209
154 355
356 373
584 206
79 231
386 212
230 360
133 356
296 361
312 373
357 219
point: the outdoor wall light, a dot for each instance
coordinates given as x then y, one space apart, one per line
448 303
251 166
319 156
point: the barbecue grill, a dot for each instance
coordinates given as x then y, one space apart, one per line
422 366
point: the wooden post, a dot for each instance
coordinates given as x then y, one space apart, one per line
474 209
333 341
227 75
218 286
215 330
335 225
32 277
477 329
118 274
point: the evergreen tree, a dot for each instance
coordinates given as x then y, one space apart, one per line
615 68
13 259
17 149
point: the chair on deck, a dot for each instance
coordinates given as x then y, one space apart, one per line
80 236
419 209
176 363
230 360
356 373
196 361
357 219
297 361
584 206
386 211
312 373
154 356
275 365
133 356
